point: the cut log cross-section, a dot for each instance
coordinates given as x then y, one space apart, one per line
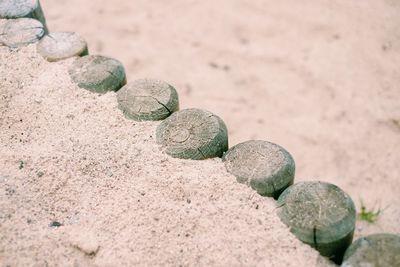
266 167
378 250
61 45
147 99
193 134
98 73
16 33
14 9
319 214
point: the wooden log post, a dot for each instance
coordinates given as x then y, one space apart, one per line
193 134
21 32
147 99
14 9
378 250
266 167
61 45
321 215
98 73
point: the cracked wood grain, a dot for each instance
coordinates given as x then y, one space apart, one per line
14 9
266 167
61 45
98 73
193 134
319 214
148 99
21 32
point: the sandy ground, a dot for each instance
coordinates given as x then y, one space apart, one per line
321 78
70 156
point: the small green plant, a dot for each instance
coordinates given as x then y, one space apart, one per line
370 216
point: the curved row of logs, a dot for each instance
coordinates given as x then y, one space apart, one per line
319 214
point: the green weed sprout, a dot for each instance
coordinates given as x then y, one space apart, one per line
370 216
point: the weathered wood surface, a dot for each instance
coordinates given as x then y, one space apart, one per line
266 167
319 214
98 73
378 250
21 32
14 9
193 134
148 99
61 45
2 24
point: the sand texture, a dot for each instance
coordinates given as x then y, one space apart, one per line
69 155
320 78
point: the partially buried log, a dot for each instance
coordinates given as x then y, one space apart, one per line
61 45
378 250
98 73
193 134
321 215
266 167
14 9
21 32
147 99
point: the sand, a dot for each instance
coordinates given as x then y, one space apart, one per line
70 156
320 78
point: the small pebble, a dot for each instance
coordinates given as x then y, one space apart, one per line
84 240
55 224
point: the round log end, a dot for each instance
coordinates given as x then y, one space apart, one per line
61 45
379 250
14 9
193 134
147 99
21 32
266 167
321 215
98 73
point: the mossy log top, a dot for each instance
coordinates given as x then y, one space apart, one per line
14 9
61 45
193 134
266 167
148 99
319 214
378 250
98 73
21 32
